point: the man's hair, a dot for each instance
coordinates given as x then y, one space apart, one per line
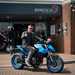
30 25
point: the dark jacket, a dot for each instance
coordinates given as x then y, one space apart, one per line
28 38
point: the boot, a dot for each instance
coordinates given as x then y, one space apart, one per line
28 58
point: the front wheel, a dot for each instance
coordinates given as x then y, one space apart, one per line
55 64
17 61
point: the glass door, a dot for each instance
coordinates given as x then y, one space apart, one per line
41 29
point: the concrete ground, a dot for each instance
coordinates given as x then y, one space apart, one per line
6 69
5 59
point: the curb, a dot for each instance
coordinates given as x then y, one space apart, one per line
5 66
69 62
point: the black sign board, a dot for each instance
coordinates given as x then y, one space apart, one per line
14 8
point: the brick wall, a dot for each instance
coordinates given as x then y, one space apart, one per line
66 13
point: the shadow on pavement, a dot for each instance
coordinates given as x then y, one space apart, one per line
66 71
36 70
45 70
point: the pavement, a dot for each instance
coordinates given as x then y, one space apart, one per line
5 59
7 69
68 58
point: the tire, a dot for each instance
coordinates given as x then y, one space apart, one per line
57 65
17 61
3 41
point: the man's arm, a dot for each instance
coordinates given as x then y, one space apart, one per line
39 38
24 34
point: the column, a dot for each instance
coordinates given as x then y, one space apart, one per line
66 17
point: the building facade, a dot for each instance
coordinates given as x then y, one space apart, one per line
53 17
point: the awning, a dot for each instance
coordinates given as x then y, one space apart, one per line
37 1
33 9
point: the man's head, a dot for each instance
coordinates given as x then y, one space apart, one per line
30 28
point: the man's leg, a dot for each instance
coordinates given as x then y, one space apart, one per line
32 49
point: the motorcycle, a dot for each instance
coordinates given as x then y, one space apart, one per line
9 46
54 62
3 41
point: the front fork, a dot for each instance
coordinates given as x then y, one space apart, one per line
51 57
50 54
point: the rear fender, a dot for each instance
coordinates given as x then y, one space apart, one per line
19 49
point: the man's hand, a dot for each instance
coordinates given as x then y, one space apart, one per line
24 34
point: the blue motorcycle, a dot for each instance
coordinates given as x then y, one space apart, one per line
54 62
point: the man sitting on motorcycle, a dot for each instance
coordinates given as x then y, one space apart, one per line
28 38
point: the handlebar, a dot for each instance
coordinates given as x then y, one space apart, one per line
40 39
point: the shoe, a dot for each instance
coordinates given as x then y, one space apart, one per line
27 63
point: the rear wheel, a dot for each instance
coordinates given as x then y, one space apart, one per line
55 64
17 61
